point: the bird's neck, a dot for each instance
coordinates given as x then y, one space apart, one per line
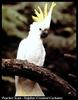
34 36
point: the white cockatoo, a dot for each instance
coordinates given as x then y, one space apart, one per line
32 50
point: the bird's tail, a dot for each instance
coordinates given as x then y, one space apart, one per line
26 87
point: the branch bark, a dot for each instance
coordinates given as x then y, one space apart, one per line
38 74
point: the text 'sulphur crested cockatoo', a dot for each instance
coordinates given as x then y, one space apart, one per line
32 50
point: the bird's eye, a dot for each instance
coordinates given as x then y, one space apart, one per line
40 29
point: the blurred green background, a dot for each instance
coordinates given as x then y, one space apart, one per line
60 44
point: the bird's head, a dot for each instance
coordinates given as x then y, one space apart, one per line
42 21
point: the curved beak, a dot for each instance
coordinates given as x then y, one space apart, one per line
44 33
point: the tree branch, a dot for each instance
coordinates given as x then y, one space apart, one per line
38 74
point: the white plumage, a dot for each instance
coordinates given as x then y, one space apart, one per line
32 50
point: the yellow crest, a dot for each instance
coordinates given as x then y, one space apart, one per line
41 15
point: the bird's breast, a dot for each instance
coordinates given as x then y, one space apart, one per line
35 54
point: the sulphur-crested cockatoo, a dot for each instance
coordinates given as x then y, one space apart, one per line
32 50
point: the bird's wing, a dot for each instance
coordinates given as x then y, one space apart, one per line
21 50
